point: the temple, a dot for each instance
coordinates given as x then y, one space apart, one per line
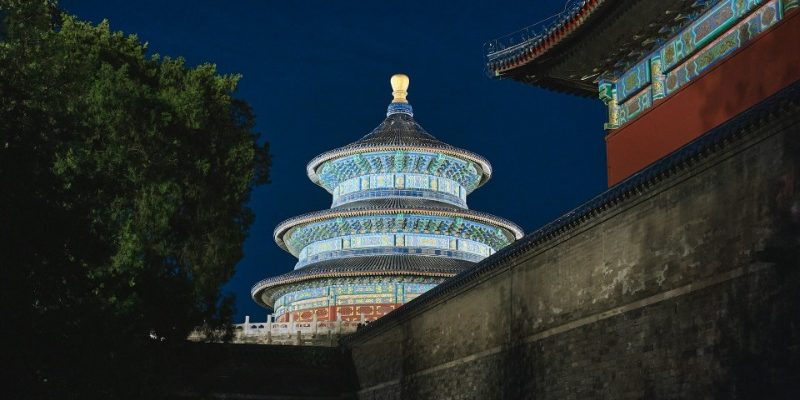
668 70
679 281
398 225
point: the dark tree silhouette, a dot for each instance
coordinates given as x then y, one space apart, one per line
125 179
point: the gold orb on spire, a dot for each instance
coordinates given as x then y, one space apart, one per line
399 88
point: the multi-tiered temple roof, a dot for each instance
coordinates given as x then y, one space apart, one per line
398 225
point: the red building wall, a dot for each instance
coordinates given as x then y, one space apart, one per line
751 74
370 312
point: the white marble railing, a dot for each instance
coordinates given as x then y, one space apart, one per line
301 333
293 332
283 328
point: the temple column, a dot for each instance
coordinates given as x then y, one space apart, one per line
331 304
608 94
658 79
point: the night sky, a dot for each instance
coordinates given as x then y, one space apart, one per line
317 76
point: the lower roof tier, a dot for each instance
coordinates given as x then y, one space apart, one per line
385 268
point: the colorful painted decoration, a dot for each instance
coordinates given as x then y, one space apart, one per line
725 27
398 225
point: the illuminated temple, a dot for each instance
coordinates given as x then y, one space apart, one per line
398 225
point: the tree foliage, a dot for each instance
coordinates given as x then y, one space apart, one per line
125 179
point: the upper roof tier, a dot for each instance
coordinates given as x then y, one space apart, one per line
399 134
589 39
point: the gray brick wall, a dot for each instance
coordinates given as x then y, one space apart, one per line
688 289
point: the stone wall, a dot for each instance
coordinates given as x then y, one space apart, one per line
682 282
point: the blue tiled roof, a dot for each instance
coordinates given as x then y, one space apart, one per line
398 130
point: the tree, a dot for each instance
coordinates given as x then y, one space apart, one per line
125 181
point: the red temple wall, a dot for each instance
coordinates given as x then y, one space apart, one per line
348 313
751 74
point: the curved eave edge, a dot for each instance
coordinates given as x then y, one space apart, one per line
693 153
316 162
257 292
288 224
548 42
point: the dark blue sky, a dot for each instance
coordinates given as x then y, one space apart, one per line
317 72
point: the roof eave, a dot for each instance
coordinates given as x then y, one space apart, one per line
316 162
260 289
317 216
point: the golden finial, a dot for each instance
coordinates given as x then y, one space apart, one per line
399 88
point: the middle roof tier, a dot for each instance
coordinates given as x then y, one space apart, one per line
394 226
